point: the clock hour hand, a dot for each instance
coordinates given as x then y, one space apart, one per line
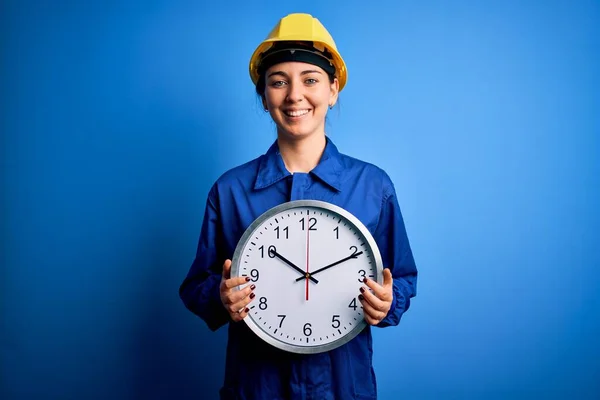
353 255
288 262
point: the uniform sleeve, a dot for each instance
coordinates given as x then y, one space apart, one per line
396 254
200 289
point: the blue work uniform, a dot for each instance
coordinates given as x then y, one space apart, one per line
255 369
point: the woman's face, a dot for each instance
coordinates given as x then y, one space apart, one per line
297 96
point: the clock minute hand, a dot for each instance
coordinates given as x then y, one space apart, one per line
354 255
288 262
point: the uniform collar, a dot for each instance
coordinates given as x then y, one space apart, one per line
272 169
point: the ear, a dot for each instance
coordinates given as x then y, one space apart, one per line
334 90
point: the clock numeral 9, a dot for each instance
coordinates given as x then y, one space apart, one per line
307 329
352 304
271 251
286 230
312 221
335 321
262 303
254 274
362 273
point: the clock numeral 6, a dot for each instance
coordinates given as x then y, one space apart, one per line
307 329
335 321
262 303
271 251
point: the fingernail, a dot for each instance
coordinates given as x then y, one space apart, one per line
362 290
365 279
252 287
252 295
360 297
247 279
247 309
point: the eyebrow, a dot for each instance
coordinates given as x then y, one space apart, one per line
308 71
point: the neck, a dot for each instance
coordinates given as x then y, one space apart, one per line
301 155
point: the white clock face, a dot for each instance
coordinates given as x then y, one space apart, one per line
307 259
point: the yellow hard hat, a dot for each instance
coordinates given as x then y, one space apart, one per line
304 28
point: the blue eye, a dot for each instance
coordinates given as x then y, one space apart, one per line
311 81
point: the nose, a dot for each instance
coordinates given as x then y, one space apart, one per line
295 92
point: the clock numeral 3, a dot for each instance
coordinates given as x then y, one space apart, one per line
312 222
335 321
352 304
362 273
307 329
262 303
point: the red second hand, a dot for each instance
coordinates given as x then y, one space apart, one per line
307 253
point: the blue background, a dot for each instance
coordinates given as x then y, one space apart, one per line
117 117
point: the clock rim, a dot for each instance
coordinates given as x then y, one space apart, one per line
235 269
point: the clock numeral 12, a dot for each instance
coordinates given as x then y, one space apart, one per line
312 221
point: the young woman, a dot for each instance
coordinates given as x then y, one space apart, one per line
298 73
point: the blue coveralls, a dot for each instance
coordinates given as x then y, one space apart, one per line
254 369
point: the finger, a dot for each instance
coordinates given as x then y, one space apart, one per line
388 280
241 305
233 282
227 269
235 296
378 304
372 315
382 292
238 316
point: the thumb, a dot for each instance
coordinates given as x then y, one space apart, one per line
387 277
227 269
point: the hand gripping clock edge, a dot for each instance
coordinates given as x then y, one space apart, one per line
288 262
310 274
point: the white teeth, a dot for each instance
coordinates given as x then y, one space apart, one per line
297 113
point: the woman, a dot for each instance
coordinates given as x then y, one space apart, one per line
298 74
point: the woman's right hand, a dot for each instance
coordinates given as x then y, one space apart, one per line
235 302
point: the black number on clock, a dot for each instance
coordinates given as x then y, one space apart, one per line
262 303
337 232
254 274
312 221
355 252
352 304
335 321
286 230
282 318
307 329
362 273
271 251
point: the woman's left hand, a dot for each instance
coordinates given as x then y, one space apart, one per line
377 304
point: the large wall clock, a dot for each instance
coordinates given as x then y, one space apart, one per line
307 259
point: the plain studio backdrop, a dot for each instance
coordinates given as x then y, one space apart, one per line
116 118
